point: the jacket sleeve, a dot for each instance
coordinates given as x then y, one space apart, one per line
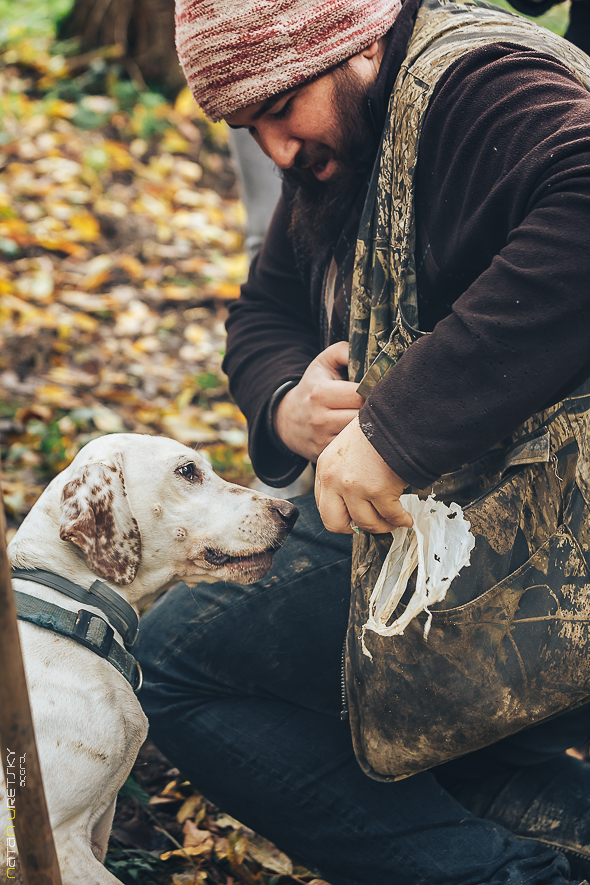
272 338
503 201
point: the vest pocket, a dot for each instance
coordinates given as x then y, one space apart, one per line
509 658
510 522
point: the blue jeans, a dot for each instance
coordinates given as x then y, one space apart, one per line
242 689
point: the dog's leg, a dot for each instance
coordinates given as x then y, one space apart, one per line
101 832
78 863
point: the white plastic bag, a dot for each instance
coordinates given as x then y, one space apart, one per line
440 544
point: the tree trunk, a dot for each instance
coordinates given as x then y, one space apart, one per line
143 29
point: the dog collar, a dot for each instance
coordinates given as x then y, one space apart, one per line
117 610
83 627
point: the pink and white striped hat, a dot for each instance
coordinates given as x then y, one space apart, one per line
238 52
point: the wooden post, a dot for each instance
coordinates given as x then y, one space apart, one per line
29 819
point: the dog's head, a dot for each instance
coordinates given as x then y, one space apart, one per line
151 510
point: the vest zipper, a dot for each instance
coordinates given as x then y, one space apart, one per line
344 695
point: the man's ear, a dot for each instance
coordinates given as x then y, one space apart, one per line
97 518
367 62
371 51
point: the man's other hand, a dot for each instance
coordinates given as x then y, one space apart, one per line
353 482
311 414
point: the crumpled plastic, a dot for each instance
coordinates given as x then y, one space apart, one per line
440 544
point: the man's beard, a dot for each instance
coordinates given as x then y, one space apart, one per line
319 209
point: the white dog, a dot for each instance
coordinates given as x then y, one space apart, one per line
139 513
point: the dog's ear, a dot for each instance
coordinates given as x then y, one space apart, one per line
96 516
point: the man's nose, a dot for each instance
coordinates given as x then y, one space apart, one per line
282 149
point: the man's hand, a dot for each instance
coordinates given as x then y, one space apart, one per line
353 482
311 414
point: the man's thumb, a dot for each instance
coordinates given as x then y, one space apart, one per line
336 356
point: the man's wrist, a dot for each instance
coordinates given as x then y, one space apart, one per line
271 408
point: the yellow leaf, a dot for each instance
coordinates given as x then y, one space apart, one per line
119 154
57 396
183 852
237 847
192 171
186 105
132 266
58 244
229 410
149 344
110 207
184 398
187 428
196 838
86 227
85 301
195 333
107 421
170 788
227 291
269 856
188 808
179 293
58 108
83 321
193 878
174 142
94 280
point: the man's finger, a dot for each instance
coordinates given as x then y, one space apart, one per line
391 510
332 510
370 520
340 395
335 356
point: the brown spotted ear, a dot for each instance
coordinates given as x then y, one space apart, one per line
96 516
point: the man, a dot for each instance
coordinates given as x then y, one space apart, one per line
242 684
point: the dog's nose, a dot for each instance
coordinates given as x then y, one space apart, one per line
287 511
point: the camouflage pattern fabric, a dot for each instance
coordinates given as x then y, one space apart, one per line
507 647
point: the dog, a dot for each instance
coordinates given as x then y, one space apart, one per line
140 513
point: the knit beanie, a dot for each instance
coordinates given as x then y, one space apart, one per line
238 52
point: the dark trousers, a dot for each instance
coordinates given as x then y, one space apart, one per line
242 689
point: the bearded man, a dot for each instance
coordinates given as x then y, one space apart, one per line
458 270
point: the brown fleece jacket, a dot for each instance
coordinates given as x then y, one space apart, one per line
503 258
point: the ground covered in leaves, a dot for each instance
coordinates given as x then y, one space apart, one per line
121 244
165 832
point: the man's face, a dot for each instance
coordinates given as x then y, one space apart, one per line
297 129
321 137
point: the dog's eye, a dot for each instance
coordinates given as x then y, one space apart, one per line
189 471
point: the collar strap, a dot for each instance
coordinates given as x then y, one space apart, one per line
83 627
117 610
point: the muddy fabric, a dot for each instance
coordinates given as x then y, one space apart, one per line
507 647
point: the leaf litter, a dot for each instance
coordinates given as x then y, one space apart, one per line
121 245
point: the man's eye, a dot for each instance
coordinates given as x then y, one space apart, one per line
284 111
189 471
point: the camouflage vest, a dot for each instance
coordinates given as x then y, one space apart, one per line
505 647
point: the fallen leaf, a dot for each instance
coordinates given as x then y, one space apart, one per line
196 838
189 807
269 856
